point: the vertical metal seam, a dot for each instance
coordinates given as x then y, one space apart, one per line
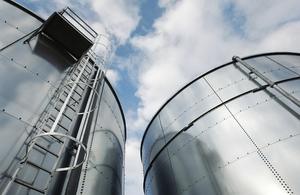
259 152
282 65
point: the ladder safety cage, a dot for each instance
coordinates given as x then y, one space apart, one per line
55 128
55 133
101 54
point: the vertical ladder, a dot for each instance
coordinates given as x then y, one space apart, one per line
46 148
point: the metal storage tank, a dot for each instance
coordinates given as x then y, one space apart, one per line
61 123
233 130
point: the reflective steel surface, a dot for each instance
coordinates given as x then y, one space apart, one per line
30 76
228 132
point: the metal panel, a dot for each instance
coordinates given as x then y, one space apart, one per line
18 18
292 87
110 99
248 175
14 23
105 166
154 133
244 139
108 122
291 62
278 156
103 173
8 34
269 116
160 183
270 69
23 74
231 81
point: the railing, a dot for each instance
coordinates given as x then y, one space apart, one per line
78 23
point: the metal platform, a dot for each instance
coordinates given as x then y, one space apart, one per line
69 31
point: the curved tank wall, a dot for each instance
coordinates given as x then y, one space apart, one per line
103 173
33 75
228 132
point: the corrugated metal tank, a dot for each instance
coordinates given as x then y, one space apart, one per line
32 77
228 132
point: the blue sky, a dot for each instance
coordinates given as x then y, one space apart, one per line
160 45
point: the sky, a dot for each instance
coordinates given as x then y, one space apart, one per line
160 45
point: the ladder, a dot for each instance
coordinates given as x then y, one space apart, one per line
46 148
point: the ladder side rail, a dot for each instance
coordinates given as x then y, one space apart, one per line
64 143
67 100
87 112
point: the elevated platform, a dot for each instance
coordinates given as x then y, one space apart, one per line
69 31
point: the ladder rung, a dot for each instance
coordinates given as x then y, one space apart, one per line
87 71
68 104
59 140
80 80
28 186
75 90
71 106
59 124
89 67
85 77
38 166
46 149
63 114
78 84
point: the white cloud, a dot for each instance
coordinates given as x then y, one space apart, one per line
265 17
120 17
113 77
133 168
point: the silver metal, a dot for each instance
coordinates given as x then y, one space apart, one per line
68 137
32 94
88 108
86 84
87 112
67 99
270 83
226 128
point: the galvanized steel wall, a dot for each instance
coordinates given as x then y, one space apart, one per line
30 75
228 132
104 171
